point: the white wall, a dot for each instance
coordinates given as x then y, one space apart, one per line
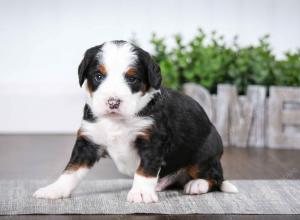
42 43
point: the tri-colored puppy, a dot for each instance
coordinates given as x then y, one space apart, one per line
159 136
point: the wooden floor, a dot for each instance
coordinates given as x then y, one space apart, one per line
44 156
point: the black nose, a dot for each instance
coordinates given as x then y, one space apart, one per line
113 102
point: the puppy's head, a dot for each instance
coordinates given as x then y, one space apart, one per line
120 78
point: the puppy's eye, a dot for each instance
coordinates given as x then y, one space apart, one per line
131 79
99 77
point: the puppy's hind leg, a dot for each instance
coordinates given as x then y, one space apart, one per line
84 155
207 179
179 178
198 184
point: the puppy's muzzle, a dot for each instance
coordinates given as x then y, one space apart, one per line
113 103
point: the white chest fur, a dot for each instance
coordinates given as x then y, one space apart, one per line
117 136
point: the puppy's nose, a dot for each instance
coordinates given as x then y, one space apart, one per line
113 102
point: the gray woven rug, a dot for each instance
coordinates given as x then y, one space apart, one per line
109 197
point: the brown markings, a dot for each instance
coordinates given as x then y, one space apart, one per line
193 171
140 171
146 134
211 183
131 71
102 69
74 167
145 88
79 133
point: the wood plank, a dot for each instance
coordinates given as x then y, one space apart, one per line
257 97
291 117
278 117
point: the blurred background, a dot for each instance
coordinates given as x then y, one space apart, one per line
42 43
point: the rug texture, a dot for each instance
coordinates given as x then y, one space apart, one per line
109 197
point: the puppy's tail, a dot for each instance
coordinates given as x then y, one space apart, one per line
228 187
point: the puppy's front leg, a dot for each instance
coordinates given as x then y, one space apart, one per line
84 155
144 183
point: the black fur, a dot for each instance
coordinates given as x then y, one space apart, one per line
150 67
181 136
88 66
88 114
85 153
141 80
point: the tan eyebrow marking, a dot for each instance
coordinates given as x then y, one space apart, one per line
102 69
131 71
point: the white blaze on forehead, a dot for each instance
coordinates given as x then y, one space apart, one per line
117 57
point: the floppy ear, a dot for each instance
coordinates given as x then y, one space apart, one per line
86 61
153 70
82 68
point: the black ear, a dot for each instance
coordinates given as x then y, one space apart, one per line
153 70
83 67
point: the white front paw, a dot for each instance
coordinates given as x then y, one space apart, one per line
142 195
52 191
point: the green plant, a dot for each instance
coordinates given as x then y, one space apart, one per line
287 71
208 60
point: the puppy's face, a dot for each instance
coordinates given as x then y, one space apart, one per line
120 78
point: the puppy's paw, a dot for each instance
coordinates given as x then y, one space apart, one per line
52 191
228 187
142 195
198 186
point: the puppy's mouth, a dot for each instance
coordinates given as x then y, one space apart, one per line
113 113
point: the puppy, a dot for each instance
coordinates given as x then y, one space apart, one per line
158 136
